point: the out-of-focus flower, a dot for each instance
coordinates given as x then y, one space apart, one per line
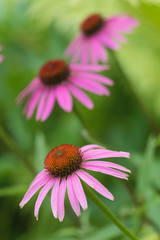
1 56
58 81
98 33
64 166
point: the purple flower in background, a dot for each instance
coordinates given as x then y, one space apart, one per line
58 81
98 33
1 56
64 166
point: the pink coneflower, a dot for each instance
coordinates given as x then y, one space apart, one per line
98 33
58 81
1 56
64 166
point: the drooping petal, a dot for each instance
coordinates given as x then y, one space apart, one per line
42 195
84 53
94 68
41 104
64 98
79 192
72 197
29 89
33 189
97 77
81 96
108 165
100 50
109 171
95 184
104 153
73 45
90 146
32 102
61 196
108 41
54 197
90 86
49 105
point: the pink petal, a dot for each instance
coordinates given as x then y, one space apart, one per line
29 89
94 68
32 102
73 45
1 58
96 77
41 104
84 53
79 192
90 146
49 105
33 189
89 85
40 176
95 184
109 171
61 196
54 197
42 195
64 98
108 165
108 41
81 96
72 197
103 153
100 50
94 52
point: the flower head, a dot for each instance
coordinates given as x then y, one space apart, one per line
1 56
58 81
64 166
98 33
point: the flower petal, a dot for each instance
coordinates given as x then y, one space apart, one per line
61 196
95 184
81 96
64 98
90 85
103 153
72 197
109 171
94 68
54 197
79 192
49 105
41 104
90 146
33 189
42 195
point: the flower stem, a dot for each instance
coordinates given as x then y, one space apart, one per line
108 213
122 75
16 150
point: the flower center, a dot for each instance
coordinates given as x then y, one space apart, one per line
92 24
53 72
63 160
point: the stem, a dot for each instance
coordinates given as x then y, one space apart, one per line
122 75
108 213
16 150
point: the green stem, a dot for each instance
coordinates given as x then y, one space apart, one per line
16 150
108 213
122 75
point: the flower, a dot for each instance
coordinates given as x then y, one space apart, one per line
57 81
1 56
64 166
98 33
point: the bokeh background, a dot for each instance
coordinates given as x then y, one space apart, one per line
34 31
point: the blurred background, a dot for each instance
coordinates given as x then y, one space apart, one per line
34 31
